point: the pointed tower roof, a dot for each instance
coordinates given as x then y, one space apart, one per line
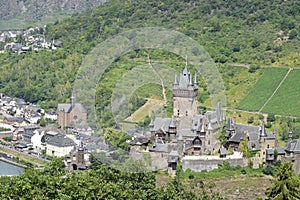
190 79
151 123
219 112
72 99
229 125
209 126
175 80
185 71
290 136
172 123
263 132
202 128
195 80
80 145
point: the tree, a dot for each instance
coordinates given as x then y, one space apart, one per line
293 34
271 118
250 120
223 139
286 185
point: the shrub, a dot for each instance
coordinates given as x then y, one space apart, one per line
253 68
7 139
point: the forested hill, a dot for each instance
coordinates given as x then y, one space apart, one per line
20 13
263 32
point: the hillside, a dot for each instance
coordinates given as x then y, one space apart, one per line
250 32
20 14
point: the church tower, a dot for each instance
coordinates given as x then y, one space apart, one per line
185 93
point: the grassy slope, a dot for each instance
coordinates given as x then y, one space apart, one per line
263 89
240 32
286 100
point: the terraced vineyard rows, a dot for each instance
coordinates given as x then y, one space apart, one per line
286 100
263 89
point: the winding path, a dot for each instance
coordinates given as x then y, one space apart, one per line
161 80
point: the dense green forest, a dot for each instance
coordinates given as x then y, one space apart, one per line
100 182
257 32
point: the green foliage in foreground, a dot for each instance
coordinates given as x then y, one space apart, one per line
102 183
224 170
263 89
286 186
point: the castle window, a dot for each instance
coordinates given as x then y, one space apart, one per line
178 113
268 146
186 113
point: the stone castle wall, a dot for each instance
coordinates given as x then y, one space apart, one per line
201 164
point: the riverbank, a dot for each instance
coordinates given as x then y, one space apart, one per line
13 163
23 158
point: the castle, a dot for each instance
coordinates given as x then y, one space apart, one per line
193 137
187 132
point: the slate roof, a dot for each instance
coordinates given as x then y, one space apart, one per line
223 151
280 150
237 137
60 140
186 133
270 151
197 122
28 134
229 125
184 78
159 147
270 136
67 107
161 123
253 134
14 119
254 145
185 122
250 129
173 157
293 146
93 143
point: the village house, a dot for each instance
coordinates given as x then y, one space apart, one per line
58 145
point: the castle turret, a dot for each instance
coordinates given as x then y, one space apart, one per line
185 93
290 136
172 129
220 116
175 80
172 126
263 132
72 99
195 81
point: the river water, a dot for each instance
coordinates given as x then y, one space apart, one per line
9 169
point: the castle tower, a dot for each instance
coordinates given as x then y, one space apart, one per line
185 92
72 100
172 129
